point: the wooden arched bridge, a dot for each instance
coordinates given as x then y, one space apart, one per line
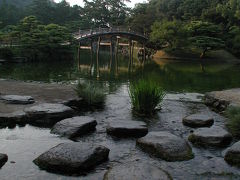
109 33
111 37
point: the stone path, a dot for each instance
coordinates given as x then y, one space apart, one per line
163 142
166 146
121 128
214 136
72 158
74 127
16 99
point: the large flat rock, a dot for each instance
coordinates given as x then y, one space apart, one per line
220 100
198 120
166 146
127 128
136 171
232 155
3 159
72 158
74 127
16 99
13 118
214 136
48 114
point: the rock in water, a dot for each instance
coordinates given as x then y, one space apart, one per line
74 127
72 158
232 155
127 129
136 171
3 159
214 136
13 118
48 114
198 120
16 99
166 146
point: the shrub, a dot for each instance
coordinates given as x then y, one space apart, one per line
233 123
91 93
145 96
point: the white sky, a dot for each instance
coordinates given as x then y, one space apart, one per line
80 2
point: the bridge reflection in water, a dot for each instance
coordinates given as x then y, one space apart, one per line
114 38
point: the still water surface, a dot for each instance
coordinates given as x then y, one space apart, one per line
173 76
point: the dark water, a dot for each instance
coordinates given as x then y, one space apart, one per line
171 75
24 144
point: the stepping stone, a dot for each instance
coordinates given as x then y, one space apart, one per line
72 158
3 159
127 128
198 120
166 146
74 127
15 99
232 155
136 171
48 114
12 118
214 136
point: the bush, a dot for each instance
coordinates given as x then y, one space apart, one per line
233 123
6 53
91 93
145 96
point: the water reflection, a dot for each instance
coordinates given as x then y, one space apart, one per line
171 75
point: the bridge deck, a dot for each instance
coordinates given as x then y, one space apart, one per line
104 32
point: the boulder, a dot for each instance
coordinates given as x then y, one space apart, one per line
127 128
3 159
166 146
214 136
198 120
74 127
13 118
16 99
232 155
72 158
48 114
136 171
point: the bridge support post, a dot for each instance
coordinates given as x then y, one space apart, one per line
91 65
98 48
79 49
130 54
116 55
111 54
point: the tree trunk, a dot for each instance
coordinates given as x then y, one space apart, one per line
203 54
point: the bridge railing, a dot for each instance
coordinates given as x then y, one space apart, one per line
89 32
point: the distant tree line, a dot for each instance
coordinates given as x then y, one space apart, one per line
186 24
171 24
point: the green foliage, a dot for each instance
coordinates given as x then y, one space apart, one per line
233 123
205 36
169 34
92 93
6 53
145 96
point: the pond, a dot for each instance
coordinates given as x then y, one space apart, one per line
173 76
24 143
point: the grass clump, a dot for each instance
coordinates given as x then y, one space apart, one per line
92 93
145 96
233 123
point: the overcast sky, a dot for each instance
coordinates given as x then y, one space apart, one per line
80 2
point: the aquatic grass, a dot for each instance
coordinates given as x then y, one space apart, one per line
233 122
145 96
91 93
